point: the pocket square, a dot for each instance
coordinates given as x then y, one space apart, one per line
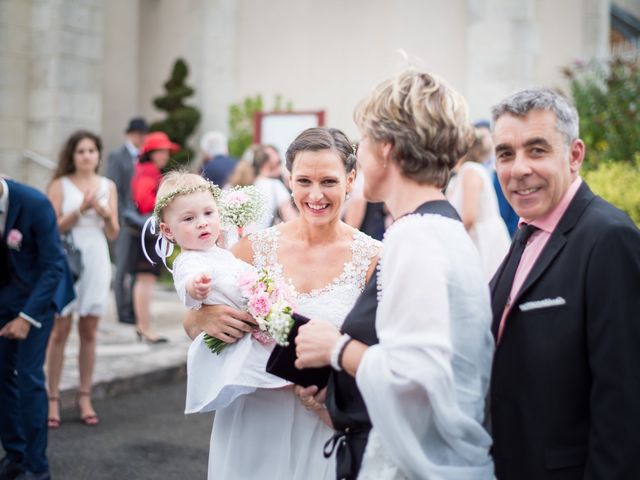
545 303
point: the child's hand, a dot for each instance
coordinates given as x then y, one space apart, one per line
200 286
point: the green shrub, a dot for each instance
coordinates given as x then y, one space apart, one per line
607 97
241 121
618 183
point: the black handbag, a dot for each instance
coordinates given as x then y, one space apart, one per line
74 256
282 359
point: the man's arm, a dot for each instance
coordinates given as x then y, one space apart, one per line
613 336
50 261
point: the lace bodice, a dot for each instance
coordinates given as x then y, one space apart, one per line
333 301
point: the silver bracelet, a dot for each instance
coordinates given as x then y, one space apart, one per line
337 351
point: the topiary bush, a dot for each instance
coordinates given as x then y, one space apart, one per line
181 120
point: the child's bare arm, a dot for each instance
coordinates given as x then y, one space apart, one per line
199 286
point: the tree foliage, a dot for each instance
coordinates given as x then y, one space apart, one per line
242 118
607 97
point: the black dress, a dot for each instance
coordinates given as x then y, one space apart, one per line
345 404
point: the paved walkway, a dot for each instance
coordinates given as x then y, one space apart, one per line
123 363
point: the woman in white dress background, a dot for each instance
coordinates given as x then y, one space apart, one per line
472 194
268 434
424 384
87 210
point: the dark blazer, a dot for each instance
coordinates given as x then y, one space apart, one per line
40 282
120 170
218 169
565 389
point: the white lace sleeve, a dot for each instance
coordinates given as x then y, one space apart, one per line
407 379
186 266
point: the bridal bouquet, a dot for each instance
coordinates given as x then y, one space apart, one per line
268 301
241 206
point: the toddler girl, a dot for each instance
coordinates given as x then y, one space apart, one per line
188 215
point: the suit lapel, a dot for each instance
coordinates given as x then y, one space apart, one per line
14 209
493 285
558 238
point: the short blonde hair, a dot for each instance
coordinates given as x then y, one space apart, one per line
423 118
174 181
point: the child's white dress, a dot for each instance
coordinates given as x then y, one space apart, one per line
214 381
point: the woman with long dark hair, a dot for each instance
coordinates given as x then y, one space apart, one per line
87 208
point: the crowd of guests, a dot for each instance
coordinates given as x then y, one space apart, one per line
554 342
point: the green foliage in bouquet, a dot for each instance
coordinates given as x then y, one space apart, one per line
181 120
241 121
607 97
618 183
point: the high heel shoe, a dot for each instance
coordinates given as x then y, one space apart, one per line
143 337
54 422
90 419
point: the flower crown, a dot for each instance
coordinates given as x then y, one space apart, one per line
238 207
166 199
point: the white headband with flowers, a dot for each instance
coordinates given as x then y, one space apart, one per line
239 206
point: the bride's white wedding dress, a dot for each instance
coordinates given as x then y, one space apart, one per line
268 434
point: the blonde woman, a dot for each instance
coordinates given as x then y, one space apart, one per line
412 359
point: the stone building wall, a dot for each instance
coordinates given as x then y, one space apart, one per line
54 72
66 64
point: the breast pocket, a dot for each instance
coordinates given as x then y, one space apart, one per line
548 304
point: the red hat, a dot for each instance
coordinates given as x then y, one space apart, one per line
158 141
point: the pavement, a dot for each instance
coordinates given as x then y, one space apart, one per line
122 362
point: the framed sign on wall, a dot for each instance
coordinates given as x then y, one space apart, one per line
281 128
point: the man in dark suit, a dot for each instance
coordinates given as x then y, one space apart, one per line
565 388
35 282
218 165
120 169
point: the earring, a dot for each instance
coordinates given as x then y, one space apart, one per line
346 197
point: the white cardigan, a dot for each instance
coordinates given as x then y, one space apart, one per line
425 383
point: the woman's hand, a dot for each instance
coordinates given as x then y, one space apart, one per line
314 343
310 397
220 321
314 401
88 201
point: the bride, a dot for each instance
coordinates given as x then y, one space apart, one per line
268 434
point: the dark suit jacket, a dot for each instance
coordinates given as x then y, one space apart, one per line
565 389
40 282
219 169
120 170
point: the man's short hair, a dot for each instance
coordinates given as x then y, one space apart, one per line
521 103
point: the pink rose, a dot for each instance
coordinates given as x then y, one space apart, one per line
14 239
259 305
247 281
262 337
236 198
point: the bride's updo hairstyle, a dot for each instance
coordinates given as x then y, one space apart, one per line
321 138
423 118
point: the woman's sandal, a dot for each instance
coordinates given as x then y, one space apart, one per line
52 422
91 419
